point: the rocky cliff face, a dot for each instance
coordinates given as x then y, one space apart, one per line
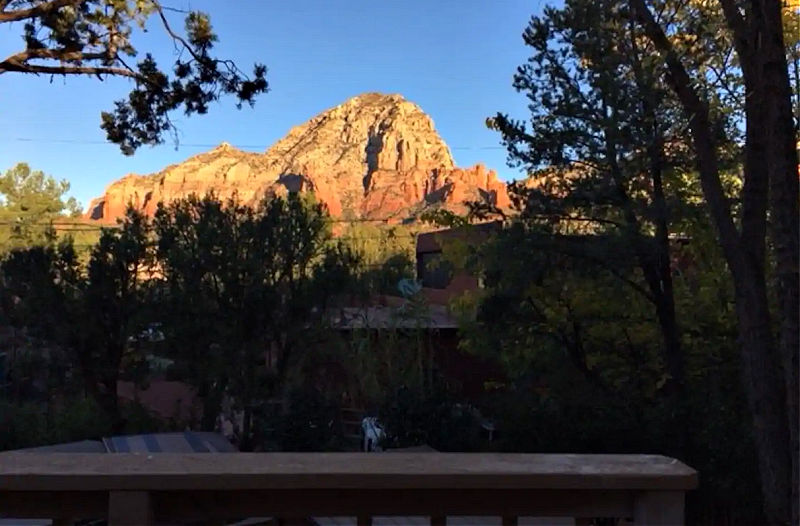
375 156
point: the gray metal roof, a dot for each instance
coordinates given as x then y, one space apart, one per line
392 317
84 446
185 442
451 521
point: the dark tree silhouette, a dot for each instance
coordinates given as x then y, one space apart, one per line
93 38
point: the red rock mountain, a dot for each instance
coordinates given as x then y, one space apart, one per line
375 156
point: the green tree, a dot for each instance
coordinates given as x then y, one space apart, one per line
602 144
114 297
247 290
39 285
29 202
725 65
584 362
768 230
91 313
94 38
385 255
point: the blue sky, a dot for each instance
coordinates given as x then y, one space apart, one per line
455 58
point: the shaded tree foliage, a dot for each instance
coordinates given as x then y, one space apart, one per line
91 314
246 292
95 38
585 365
769 228
612 87
240 294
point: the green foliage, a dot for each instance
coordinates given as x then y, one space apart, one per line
609 158
113 293
444 218
546 307
240 294
25 425
386 255
584 364
311 423
30 201
47 292
245 292
434 419
94 38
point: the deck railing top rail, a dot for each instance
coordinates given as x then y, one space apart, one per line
232 471
141 488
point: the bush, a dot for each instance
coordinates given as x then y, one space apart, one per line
412 419
71 420
311 423
31 425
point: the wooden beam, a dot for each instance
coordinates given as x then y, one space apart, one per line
130 508
658 508
60 505
173 506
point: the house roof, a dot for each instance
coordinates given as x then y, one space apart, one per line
392 317
165 398
185 442
83 446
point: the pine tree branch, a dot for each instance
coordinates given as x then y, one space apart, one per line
19 63
176 37
56 54
65 70
35 11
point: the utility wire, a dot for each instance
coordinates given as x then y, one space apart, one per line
198 145
98 226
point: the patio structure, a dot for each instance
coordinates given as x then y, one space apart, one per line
168 488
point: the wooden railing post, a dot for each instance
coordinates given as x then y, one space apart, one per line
658 508
129 508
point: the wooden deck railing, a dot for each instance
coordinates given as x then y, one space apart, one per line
167 488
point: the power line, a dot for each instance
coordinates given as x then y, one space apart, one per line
197 144
97 226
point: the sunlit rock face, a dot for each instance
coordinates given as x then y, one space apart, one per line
374 157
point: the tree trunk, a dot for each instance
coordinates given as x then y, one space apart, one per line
247 429
212 406
761 361
782 164
764 385
109 402
662 287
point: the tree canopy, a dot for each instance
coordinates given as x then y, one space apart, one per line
29 201
613 86
96 38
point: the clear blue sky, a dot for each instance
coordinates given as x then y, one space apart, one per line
455 58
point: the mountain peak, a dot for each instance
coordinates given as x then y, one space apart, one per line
223 147
374 156
376 97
